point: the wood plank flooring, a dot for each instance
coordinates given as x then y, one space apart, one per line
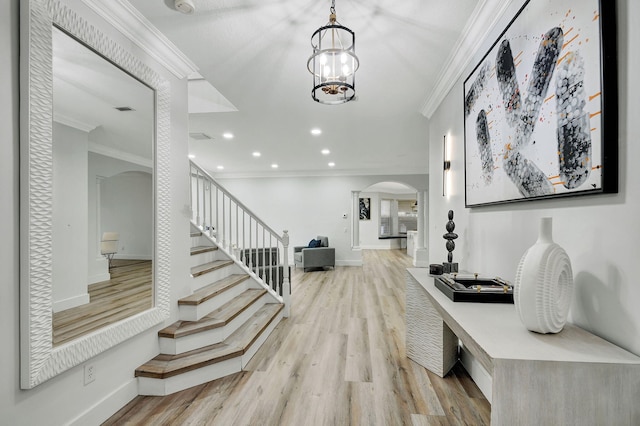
338 360
127 293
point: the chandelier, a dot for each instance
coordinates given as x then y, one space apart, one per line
333 63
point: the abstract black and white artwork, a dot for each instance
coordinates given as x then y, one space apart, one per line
365 208
540 109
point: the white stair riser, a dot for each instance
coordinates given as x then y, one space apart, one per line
206 257
251 351
195 241
209 337
162 387
213 276
194 341
196 312
201 240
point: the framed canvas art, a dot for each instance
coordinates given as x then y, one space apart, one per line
365 208
540 109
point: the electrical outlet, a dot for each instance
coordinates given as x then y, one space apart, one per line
89 373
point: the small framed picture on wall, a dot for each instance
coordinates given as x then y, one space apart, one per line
365 208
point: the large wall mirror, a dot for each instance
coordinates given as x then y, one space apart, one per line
94 192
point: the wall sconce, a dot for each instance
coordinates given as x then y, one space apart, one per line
446 165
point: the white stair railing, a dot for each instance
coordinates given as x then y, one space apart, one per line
241 233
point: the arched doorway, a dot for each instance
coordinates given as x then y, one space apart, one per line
391 215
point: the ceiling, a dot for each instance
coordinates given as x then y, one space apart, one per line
254 52
98 108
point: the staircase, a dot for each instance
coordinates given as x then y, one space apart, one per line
234 304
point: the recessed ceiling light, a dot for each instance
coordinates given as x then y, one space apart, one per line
192 156
227 135
316 132
325 152
256 154
220 167
331 164
274 166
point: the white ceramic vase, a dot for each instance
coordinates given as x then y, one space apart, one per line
543 287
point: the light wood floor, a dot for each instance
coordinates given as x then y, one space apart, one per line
127 293
338 360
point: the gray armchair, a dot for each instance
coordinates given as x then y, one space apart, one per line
315 257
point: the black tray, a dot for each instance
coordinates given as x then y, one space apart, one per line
462 289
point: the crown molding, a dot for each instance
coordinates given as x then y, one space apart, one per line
73 122
120 155
130 22
480 25
318 173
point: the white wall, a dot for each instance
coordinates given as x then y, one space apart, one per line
599 233
127 208
101 167
370 229
69 224
10 396
311 206
64 398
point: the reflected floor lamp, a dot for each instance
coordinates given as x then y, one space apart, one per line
109 246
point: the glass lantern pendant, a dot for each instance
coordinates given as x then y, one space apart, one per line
333 63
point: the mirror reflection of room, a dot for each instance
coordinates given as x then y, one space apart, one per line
103 191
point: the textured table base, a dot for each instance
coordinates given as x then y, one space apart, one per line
430 342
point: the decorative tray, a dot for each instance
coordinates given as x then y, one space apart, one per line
474 289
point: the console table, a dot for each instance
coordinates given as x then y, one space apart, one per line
569 378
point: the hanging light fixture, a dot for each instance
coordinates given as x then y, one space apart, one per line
334 62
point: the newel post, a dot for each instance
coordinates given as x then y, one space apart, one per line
286 284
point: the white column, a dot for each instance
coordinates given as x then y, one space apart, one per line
355 243
421 257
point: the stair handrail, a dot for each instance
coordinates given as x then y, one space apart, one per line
253 257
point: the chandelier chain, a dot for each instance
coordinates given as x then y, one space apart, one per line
333 6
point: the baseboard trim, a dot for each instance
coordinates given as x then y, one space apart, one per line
132 257
479 375
109 405
71 302
98 278
348 262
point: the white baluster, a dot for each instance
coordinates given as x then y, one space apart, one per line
285 271
198 199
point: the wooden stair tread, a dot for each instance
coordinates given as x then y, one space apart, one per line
164 366
202 249
244 336
218 318
209 266
207 292
195 233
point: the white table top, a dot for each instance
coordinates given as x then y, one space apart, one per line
497 329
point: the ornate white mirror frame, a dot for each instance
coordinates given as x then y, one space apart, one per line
40 360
